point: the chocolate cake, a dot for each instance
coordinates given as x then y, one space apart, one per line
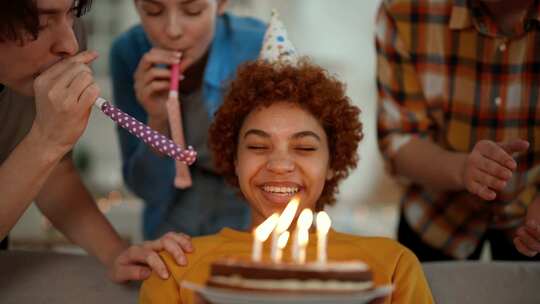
336 277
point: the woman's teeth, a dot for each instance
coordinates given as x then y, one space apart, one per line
281 190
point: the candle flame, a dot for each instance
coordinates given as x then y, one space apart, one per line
303 237
287 215
305 219
283 238
262 232
323 222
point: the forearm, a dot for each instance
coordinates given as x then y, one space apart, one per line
21 177
427 164
71 209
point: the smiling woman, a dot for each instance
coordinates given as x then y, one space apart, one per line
327 132
284 131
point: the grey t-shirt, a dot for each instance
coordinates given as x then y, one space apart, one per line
17 115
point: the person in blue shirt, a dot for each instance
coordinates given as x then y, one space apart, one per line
210 44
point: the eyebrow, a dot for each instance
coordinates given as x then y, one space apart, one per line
298 135
306 134
257 132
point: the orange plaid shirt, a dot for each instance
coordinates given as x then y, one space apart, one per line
446 73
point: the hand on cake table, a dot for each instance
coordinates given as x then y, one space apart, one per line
527 238
138 261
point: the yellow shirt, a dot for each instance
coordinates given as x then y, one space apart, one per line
390 262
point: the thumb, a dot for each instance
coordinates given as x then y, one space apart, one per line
515 145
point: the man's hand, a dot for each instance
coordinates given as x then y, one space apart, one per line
527 238
137 262
490 166
64 94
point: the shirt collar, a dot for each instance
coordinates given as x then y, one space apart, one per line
217 70
466 13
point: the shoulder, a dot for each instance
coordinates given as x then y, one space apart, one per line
244 32
203 246
381 249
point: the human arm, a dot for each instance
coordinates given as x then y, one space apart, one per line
408 133
64 95
527 238
71 209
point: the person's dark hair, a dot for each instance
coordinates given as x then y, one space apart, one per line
260 84
20 18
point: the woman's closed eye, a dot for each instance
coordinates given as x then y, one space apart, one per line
305 148
151 10
257 147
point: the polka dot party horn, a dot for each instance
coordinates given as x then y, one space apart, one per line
146 134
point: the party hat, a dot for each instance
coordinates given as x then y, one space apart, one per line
276 45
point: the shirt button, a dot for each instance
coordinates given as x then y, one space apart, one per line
498 101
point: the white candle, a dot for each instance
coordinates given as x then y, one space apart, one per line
301 238
285 220
282 242
261 234
323 225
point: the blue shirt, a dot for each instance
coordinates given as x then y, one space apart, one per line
210 204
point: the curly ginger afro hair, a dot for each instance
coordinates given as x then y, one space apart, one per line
260 84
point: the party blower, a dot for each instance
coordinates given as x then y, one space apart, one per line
147 134
183 177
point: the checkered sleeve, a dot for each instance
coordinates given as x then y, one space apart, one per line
402 108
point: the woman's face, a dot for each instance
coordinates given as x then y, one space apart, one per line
181 25
282 153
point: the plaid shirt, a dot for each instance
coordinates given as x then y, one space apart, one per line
447 74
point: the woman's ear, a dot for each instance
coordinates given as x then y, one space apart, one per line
222 6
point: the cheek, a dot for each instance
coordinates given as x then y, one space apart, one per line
201 33
154 28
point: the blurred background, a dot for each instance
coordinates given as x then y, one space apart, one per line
337 35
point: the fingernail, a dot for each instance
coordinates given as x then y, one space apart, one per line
164 274
146 273
182 260
511 164
178 54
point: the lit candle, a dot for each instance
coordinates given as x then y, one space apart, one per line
302 236
303 239
261 234
282 242
285 220
323 225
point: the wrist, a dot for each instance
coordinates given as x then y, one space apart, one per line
457 162
36 139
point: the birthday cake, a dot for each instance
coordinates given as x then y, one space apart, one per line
335 277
